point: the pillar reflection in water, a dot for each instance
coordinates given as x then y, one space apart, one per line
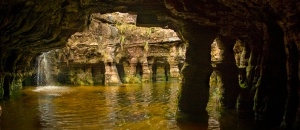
174 90
214 106
140 106
111 103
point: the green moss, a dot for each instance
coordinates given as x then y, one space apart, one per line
132 79
122 39
149 31
122 42
89 80
80 77
243 84
145 80
146 47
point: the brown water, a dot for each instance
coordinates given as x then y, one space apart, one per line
134 107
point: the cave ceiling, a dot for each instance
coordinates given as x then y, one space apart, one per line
35 26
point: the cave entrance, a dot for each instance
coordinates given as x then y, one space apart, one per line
124 50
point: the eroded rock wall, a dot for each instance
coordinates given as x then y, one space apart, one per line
269 27
118 42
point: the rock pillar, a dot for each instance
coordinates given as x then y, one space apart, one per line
127 67
111 74
146 71
160 72
196 72
97 74
6 86
16 83
174 71
133 62
228 72
174 68
150 66
243 63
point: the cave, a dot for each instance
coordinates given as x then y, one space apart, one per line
256 68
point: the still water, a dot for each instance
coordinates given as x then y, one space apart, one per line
135 107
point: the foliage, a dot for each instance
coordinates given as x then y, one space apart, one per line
80 77
146 47
122 42
132 79
161 78
122 39
150 31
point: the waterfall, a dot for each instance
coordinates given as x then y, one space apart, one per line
43 67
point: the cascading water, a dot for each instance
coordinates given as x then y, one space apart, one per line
44 75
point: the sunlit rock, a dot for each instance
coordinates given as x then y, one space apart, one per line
113 42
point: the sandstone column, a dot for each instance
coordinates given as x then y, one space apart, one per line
133 62
97 74
228 72
174 69
111 74
150 65
196 72
146 71
160 74
244 63
127 67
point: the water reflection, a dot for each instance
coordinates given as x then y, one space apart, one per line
146 106
214 106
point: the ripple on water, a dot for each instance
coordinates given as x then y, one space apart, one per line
147 106
53 90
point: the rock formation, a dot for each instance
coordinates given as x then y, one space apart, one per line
268 28
94 54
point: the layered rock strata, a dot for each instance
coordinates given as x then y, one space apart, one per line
270 29
114 45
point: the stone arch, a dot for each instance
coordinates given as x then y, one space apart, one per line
268 19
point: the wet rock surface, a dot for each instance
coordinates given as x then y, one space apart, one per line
270 29
94 54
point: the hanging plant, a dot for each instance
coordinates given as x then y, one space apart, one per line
122 40
149 31
146 47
